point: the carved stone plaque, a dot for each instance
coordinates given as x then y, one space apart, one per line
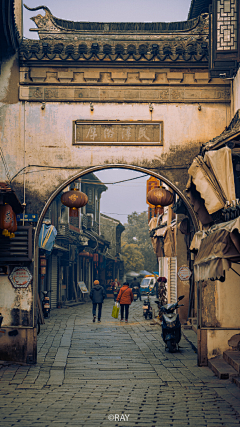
117 133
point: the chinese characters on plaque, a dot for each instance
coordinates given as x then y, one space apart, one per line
124 133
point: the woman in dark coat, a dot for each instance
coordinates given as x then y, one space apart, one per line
125 298
97 295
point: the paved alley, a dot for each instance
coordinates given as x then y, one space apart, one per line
112 374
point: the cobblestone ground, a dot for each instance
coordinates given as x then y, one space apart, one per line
112 374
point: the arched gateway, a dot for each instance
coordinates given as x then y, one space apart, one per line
89 96
186 203
80 175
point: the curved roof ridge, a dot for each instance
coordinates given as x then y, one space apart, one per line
63 24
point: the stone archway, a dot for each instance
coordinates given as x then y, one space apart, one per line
92 170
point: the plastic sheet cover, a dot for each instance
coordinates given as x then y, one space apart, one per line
214 179
217 248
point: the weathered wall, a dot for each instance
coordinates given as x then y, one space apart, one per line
182 286
18 345
220 308
17 337
36 137
15 304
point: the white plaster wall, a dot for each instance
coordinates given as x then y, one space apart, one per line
47 135
13 298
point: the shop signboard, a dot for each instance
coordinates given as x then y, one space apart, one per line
184 273
83 287
27 217
20 277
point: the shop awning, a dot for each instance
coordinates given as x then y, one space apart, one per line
213 178
217 248
163 238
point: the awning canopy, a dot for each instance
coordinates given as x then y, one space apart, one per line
217 248
213 178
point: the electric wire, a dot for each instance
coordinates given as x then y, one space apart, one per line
5 165
46 168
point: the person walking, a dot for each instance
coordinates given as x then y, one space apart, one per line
97 295
115 288
125 298
136 284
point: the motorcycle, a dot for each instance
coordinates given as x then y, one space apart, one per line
46 304
147 309
171 326
135 293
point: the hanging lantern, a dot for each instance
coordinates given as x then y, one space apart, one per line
6 219
74 200
160 197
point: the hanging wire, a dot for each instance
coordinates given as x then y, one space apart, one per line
5 165
235 271
46 168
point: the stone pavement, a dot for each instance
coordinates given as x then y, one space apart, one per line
112 374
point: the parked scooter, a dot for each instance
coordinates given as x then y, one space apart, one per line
171 326
135 293
46 304
147 309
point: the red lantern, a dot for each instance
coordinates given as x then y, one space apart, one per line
74 200
160 197
6 219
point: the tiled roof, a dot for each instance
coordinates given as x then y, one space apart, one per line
197 7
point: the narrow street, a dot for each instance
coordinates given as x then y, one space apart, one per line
112 374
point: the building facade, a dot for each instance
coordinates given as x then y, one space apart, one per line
89 96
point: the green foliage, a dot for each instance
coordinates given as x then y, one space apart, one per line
132 257
136 236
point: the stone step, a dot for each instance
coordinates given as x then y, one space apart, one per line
221 368
236 380
194 328
232 358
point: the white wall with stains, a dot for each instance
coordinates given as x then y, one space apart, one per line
32 136
13 299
